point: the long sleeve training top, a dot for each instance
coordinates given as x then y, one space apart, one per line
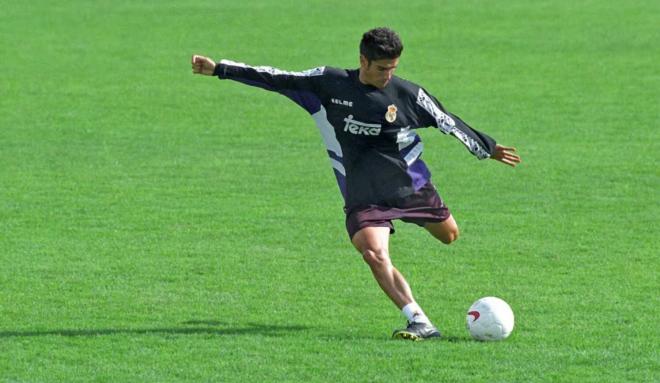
369 133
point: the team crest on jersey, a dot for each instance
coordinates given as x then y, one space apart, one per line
390 116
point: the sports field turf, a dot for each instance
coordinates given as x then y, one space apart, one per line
157 226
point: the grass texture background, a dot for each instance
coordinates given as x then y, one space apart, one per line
160 226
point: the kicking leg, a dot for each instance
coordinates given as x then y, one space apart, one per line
446 231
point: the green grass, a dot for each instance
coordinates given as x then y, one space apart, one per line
155 226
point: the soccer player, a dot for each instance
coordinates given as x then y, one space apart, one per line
367 118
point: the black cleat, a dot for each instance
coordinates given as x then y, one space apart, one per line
417 332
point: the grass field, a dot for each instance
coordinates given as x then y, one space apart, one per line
158 226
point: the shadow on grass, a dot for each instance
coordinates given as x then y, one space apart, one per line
209 327
386 337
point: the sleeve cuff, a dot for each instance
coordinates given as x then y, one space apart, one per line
219 70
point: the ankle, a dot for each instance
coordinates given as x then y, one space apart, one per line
414 313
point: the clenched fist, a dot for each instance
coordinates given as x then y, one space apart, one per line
202 65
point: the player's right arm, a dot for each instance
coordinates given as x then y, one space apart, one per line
265 77
202 65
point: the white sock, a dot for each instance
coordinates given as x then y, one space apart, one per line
414 313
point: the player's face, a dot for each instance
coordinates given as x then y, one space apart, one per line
377 73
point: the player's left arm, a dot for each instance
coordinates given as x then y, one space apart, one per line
479 144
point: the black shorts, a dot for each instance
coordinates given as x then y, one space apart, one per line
425 205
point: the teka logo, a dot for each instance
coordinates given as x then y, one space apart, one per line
342 102
360 128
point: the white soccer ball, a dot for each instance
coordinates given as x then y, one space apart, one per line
490 318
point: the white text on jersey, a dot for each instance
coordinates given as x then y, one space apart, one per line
342 102
358 128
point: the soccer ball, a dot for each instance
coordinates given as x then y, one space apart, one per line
490 318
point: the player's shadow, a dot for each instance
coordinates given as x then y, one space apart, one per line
191 327
380 337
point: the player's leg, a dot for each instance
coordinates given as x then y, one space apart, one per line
446 231
373 244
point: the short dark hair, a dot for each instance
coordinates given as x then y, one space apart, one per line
380 43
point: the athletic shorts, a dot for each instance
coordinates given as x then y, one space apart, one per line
425 205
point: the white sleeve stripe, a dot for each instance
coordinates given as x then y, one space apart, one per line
472 145
274 71
444 122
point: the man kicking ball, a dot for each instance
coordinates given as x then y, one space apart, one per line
367 118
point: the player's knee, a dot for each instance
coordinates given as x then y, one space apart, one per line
449 236
376 257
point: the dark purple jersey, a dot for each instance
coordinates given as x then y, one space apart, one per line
369 133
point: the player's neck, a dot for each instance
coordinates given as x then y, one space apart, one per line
364 79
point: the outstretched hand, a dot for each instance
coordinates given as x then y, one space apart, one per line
506 155
202 65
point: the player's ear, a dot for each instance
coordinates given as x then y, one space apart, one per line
364 62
